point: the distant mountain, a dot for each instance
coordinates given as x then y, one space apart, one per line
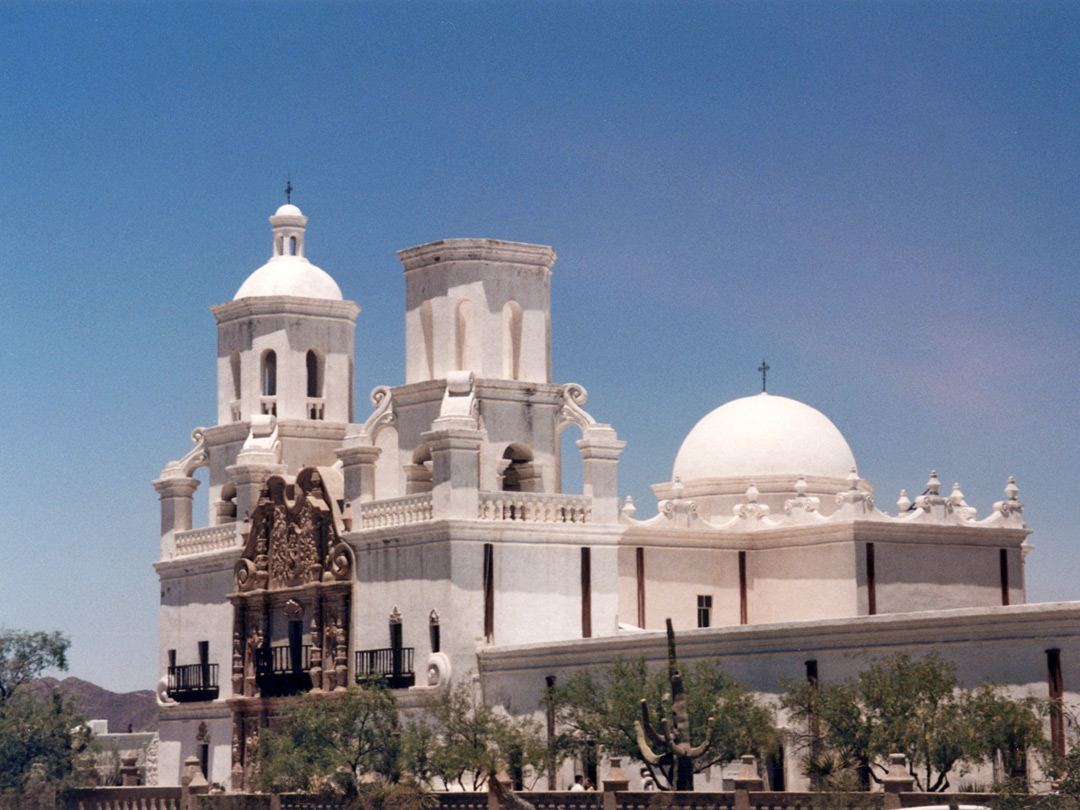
137 709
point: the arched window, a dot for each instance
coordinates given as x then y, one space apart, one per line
466 326
269 374
314 378
511 318
418 474
518 474
292 245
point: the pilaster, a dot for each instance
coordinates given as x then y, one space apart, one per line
600 449
176 496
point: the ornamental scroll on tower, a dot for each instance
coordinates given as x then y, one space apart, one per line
291 602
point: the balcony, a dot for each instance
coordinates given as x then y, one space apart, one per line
283 670
393 665
193 682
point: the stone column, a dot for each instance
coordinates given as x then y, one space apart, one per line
455 474
176 495
600 448
249 480
358 467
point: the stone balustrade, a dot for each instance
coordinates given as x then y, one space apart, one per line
209 538
123 798
535 507
396 511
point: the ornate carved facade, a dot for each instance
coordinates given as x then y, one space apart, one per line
291 604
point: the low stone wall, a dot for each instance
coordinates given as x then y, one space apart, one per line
153 798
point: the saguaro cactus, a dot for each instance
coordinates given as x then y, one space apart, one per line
672 743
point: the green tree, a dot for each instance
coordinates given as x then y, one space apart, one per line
41 738
911 706
599 708
327 743
460 740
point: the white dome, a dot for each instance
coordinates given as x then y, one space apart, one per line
288 272
762 436
289 275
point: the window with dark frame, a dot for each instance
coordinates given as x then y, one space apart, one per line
704 610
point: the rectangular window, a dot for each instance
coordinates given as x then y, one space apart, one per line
586 593
433 632
811 672
204 759
172 659
1003 564
550 681
743 613
1056 688
871 585
489 592
641 587
704 610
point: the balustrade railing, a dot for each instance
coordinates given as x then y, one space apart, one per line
283 670
391 664
209 538
535 507
192 682
315 407
396 511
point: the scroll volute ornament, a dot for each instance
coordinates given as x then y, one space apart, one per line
293 538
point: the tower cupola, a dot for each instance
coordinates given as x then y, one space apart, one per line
285 341
289 272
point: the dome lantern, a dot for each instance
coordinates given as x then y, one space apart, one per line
289 272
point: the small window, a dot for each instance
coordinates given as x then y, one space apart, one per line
172 659
314 383
269 374
292 245
204 759
204 653
704 610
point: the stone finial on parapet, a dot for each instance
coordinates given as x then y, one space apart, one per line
745 780
896 781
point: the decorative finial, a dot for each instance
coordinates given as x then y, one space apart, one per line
288 188
933 486
764 369
904 504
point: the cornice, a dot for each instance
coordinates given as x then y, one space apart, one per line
271 305
206 563
1051 622
484 531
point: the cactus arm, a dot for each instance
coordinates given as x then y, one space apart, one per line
698 750
647 726
643 745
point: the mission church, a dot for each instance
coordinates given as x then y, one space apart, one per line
427 539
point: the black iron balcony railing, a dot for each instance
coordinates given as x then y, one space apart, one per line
193 682
391 664
283 670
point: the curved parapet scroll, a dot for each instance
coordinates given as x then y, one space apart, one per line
573 410
196 457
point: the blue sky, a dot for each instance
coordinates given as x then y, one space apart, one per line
881 199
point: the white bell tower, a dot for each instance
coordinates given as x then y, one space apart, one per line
285 342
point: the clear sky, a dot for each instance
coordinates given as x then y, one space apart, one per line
881 199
